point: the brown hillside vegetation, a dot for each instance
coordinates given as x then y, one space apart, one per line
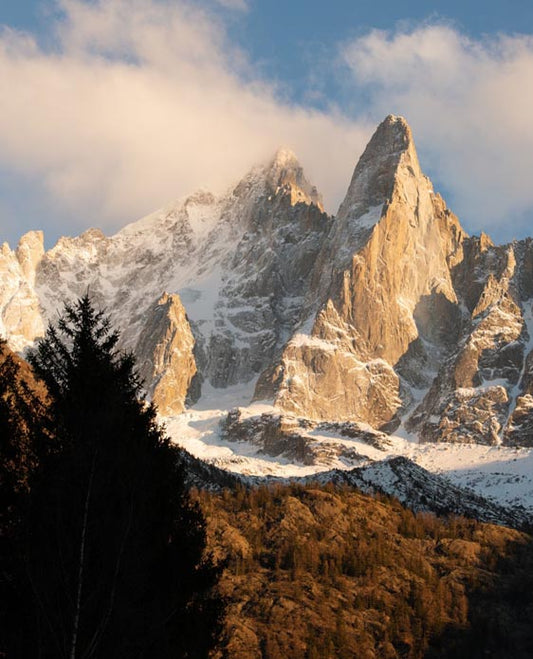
24 369
22 409
319 571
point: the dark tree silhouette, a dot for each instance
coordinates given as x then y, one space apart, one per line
114 547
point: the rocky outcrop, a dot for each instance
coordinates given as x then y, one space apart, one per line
519 430
165 354
478 393
29 253
295 438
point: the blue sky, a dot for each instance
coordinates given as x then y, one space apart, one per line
111 108
275 29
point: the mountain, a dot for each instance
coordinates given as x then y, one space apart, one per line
230 271
414 487
386 325
385 264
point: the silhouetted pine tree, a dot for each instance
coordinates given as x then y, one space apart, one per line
114 547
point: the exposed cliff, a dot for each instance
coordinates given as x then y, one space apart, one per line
387 297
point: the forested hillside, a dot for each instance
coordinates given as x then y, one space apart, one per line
318 572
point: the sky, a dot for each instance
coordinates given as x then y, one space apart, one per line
109 109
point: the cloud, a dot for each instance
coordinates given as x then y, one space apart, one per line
140 102
137 102
470 103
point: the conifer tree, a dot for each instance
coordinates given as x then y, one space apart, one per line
115 549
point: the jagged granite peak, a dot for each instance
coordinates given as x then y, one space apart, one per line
20 316
385 292
482 392
268 271
30 251
240 263
286 172
372 182
281 175
387 171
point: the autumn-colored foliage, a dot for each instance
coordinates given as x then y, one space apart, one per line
319 571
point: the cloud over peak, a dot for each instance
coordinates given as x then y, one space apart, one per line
142 102
138 102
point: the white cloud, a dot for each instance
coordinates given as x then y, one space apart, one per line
144 101
470 104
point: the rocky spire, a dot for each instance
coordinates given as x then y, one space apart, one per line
29 252
381 287
387 171
165 354
390 148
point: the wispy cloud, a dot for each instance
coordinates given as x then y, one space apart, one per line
142 102
471 106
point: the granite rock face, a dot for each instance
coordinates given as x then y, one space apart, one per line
413 321
390 253
265 273
165 355
295 438
481 391
20 318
